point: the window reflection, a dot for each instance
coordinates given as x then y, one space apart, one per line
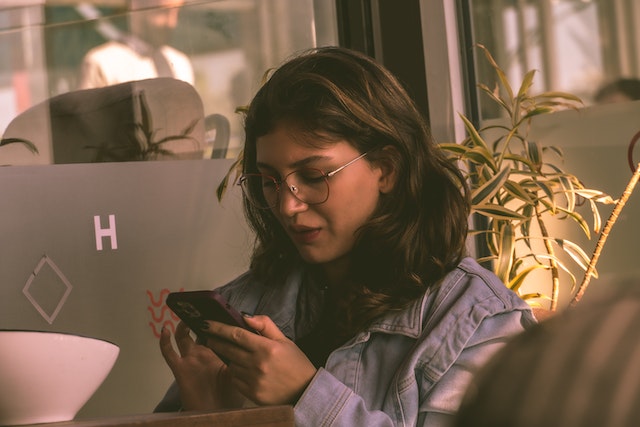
221 47
577 46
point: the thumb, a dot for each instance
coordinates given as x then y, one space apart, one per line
265 326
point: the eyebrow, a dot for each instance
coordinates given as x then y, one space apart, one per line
295 165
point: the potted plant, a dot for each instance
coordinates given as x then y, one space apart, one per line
140 140
519 186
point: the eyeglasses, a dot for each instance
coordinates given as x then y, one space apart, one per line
309 185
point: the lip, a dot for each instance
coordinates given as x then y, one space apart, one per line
304 235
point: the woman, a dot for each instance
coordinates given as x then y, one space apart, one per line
368 311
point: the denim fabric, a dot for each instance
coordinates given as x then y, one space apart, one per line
408 368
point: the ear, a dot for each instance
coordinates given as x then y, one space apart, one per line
387 166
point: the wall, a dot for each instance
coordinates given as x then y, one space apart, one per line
169 233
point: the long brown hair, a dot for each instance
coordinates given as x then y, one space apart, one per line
418 232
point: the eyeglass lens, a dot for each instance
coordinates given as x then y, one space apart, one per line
307 185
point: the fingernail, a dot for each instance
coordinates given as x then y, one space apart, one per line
245 314
204 325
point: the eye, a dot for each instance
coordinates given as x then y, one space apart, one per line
310 176
268 182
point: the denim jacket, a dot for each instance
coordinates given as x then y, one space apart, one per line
409 368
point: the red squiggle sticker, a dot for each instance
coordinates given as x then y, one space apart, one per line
161 314
169 325
160 300
158 318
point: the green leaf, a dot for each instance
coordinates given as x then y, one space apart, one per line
490 188
145 113
568 189
555 149
561 95
28 144
497 212
561 265
597 219
190 127
528 211
576 253
481 156
538 111
534 295
496 98
501 75
549 199
453 148
518 192
490 258
516 282
596 196
505 252
518 159
535 154
236 167
480 146
527 81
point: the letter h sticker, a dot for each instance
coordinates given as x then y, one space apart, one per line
105 232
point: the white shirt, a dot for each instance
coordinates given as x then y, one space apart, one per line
113 62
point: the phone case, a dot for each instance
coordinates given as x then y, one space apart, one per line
194 307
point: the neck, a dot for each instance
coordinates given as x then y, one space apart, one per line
336 272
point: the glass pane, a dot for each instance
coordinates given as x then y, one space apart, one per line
220 47
577 46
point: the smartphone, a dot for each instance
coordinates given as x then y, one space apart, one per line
194 307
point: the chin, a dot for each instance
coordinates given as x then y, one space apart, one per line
313 257
321 258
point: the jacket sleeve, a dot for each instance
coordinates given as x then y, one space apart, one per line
328 402
440 401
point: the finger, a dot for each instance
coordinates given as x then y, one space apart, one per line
182 330
238 382
183 338
230 352
232 334
166 348
265 326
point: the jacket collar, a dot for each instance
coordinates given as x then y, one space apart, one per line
408 322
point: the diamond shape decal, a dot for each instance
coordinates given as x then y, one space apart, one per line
47 289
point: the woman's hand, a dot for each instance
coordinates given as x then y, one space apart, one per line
203 379
269 369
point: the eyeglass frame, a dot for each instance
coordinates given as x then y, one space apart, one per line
278 182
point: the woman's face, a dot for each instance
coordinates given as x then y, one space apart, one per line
323 233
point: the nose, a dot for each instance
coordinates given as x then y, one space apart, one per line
289 204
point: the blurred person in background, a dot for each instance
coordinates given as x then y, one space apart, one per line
620 90
579 368
142 54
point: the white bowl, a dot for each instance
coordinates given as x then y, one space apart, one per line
48 376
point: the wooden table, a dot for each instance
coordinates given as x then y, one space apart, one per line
266 416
